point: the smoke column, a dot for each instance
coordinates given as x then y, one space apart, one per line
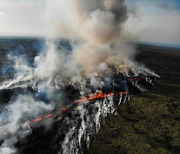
94 29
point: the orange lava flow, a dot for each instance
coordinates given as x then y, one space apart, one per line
99 95
37 119
64 109
48 116
123 93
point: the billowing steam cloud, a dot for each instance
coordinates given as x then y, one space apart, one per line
13 124
94 30
94 24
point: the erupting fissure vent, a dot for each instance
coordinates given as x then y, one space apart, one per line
57 97
68 129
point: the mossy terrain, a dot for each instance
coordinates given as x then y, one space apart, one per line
149 122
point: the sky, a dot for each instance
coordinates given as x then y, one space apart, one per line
154 20
149 20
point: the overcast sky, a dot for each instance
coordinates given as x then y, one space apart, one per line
21 17
149 20
155 20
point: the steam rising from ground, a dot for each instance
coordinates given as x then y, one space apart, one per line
94 24
13 122
94 29
78 134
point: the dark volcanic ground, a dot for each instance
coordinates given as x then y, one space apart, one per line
150 122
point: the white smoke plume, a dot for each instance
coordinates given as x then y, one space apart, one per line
89 125
13 121
23 73
94 28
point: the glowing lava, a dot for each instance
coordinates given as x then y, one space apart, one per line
38 119
99 95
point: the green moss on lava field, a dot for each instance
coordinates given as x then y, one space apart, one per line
148 123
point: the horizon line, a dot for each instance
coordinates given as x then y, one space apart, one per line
162 44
